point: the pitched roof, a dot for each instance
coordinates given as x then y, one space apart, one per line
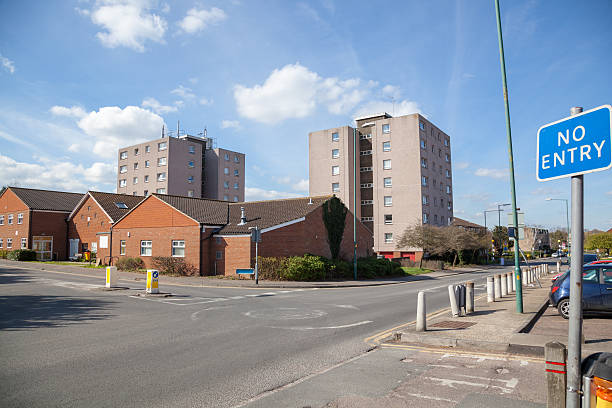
458 222
203 210
265 214
109 201
46 199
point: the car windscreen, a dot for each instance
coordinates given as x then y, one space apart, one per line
589 258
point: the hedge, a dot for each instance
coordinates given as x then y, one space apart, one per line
130 264
22 255
174 266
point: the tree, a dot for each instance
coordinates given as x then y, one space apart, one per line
500 238
334 218
557 237
600 241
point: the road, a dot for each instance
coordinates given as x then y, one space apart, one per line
66 342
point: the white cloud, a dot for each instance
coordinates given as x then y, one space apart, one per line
157 107
183 92
609 192
493 173
391 91
197 20
461 165
301 186
112 127
294 91
54 174
75 147
128 23
15 139
230 124
256 194
7 64
400 108
73 112
206 101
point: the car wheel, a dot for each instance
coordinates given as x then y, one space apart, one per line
563 308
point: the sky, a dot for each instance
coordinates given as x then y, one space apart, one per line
80 78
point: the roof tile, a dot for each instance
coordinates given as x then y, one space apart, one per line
47 200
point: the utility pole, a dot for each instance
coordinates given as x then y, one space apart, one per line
517 268
355 203
574 346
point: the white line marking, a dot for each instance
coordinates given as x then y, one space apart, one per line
425 397
451 383
194 315
327 327
511 383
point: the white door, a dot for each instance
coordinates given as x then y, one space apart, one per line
74 248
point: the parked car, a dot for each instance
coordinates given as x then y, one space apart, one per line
555 255
596 290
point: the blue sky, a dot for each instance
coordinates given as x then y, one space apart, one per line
79 78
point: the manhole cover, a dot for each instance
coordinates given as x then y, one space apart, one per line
449 324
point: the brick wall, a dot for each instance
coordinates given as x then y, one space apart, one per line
85 225
11 204
48 223
236 253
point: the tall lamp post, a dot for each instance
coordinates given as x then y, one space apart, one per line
499 210
485 215
566 218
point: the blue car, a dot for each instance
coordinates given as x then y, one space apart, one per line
596 290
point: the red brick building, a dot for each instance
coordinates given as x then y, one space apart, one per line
90 223
36 219
212 235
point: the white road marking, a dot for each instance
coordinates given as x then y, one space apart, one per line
347 307
194 315
425 397
326 327
511 383
452 384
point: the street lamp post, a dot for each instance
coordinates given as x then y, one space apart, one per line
566 217
499 206
485 216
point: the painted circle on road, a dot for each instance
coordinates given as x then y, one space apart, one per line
285 313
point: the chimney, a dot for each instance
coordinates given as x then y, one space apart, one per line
242 216
309 200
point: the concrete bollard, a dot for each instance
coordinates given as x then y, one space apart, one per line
469 298
513 276
558 266
453 300
152 281
504 285
421 322
498 293
111 277
555 355
490 290
509 282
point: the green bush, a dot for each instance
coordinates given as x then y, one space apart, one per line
22 255
130 264
271 268
370 268
168 265
3 253
306 268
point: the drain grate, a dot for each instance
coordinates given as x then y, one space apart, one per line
449 324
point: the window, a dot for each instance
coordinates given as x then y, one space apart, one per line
226 156
135 180
136 152
226 170
335 137
448 173
1 219
226 184
219 255
387 182
122 169
421 126
20 218
423 144
147 149
423 180
388 219
388 201
335 153
435 218
367 219
146 193
387 164
161 161
449 205
367 202
190 179
365 152
335 187
423 162
236 186
178 248
236 173
226 197
10 219
435 182
386 128
363 137
335 170
123 155
425 218
136 166
236 159
607 275
161 176
441 186
1 243
189 193
441 202
441 220
425 200
122 183
439 152
161 146
235 199
590 276
147 164
388 237
448 190
435 201
218 240
24 243
192 149
367 185
9 242
445 142
161 191
146 179
190 164
433 148
122 247
447 157
386 146
146 248
364 169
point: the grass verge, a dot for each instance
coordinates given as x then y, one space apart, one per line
413 270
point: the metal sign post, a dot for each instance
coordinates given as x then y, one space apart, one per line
256 237
571 147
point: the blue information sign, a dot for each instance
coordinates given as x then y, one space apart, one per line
575 145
